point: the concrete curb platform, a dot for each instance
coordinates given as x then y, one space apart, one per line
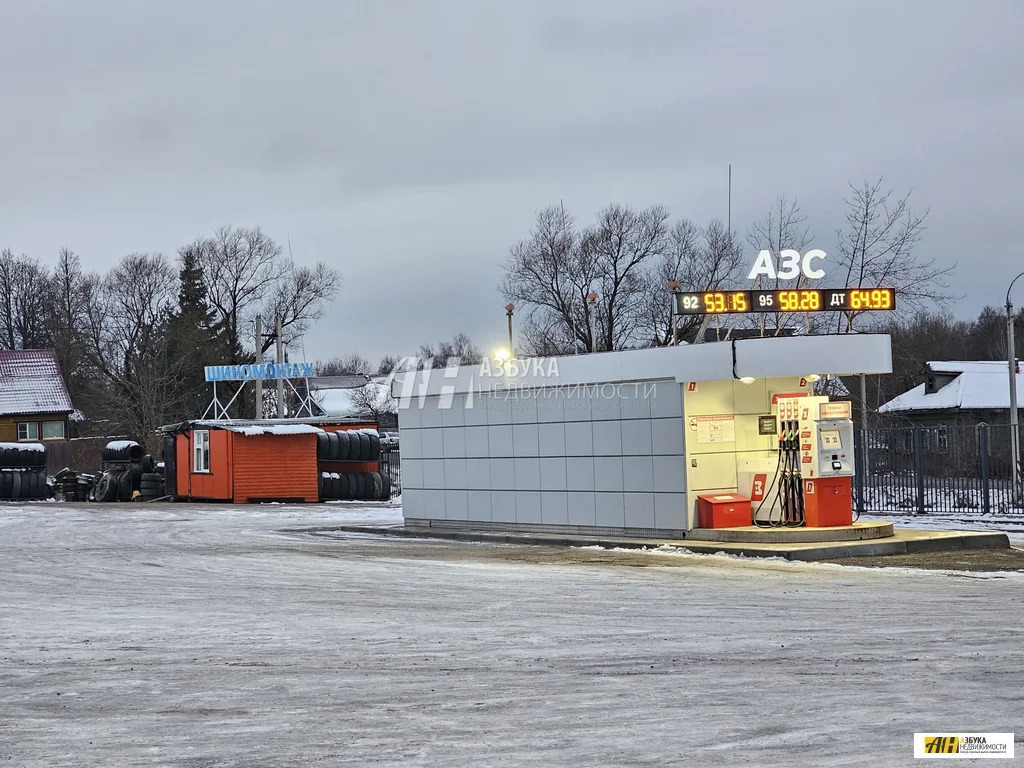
903 541
752 534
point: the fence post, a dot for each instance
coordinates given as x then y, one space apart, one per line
858 450
919 470
983 439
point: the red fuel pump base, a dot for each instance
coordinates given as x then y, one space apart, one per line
828 501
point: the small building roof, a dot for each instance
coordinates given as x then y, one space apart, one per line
31 382
262 426
976 385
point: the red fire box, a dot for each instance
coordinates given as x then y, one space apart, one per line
723 510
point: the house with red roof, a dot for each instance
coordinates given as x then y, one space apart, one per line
34 400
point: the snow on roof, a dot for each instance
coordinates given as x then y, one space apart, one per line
31 382
979 385
251 430
280 429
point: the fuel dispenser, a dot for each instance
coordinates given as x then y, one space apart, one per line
809 483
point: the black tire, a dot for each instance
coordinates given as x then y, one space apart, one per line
29 485
374 452
341 486
151 479
124 486
367 486
16 488
5 485
344 445
147 464
323 447
130 452
43 488
101 488
385 486
378 484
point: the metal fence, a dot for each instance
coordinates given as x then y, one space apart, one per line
935 469
391 464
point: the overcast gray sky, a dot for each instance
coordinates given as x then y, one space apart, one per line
411 143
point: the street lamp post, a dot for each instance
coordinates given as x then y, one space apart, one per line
592 298
509 309
1011 356
673 287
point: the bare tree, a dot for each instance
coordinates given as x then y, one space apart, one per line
620 247
300 298
246 274
387 365
699 259
373 402
347 365
460 350
551 273
23 302
783 227
71 294
546 277
876 249
128 343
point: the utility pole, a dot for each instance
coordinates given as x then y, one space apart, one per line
1011 357
280 360
259 359
509 309
592 298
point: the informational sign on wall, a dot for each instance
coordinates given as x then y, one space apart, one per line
837 409
716 429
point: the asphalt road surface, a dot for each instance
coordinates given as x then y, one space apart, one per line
226 636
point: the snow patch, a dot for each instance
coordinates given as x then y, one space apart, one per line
277 429
37 447
120 445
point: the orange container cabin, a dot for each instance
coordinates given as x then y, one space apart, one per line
244 461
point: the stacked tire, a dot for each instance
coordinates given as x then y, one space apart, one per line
122 451
29 456
133 476
23 472
348 445
364 486
151 486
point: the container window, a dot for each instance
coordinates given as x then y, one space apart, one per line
28 430
201 454
53 430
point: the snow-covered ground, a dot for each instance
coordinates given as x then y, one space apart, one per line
212 636
1011 525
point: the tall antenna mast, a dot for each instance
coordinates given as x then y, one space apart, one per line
729 214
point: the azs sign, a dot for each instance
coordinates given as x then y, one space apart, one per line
791 265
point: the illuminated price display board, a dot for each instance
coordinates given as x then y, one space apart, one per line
801 300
